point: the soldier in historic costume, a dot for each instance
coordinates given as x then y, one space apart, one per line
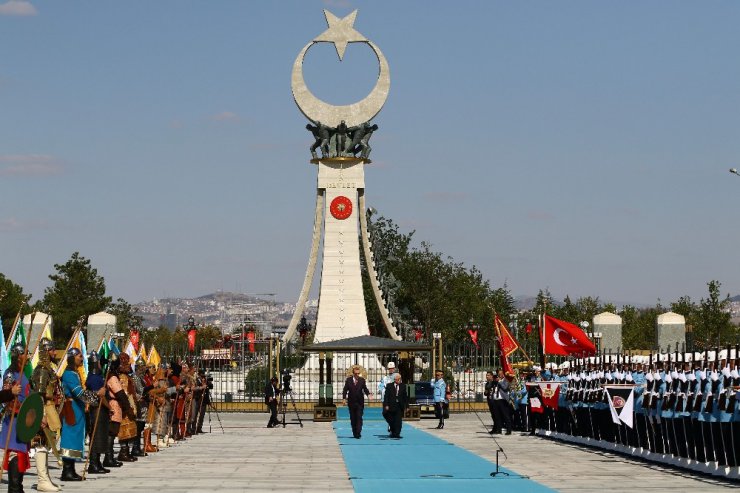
45 381
154 396
150 394
15 457
73 425
99 442
127 429
185 405
120 408
137 379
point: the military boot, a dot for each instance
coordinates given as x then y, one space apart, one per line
44 483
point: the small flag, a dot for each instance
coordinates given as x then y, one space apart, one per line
142 353
133 336
621 403
112 347
473 336
4 356
529 328
154 358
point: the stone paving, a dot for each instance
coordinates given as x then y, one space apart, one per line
250 457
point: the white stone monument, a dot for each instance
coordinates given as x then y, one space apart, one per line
340 199
609 325
670 330
99 325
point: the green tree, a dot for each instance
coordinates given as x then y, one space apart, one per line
638 327
126 316
78 291
12 298
390 248
713 327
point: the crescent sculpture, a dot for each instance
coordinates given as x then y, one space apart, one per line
340 33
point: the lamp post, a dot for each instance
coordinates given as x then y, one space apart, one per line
436 348
734 171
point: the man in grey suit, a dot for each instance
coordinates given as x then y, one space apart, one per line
501 400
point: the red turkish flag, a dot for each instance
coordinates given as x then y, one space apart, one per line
473 336
565 338
529 328
191 340
418 335
134 338
250 338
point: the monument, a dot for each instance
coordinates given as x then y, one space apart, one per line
341 150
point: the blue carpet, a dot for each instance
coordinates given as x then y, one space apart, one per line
419 462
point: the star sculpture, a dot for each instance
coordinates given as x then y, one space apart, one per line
340 32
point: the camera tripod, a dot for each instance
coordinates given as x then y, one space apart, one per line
210 406
283 406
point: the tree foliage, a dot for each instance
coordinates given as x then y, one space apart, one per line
12 298
77 291
441 295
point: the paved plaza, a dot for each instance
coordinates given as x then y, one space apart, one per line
250 457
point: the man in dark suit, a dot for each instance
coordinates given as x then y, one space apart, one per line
352 395
395 402
271 399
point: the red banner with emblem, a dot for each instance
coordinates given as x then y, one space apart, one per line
191 340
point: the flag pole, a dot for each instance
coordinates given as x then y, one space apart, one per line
41 335
15 322
543 358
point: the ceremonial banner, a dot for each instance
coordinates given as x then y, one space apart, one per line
533 394
191 340
4 356
506 340
565 338
550 392
250 338
621 403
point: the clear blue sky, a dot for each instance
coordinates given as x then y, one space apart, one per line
577 145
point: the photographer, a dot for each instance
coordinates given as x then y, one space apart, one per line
271 399
203 396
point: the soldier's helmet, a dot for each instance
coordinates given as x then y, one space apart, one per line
93 357
46 345
17 350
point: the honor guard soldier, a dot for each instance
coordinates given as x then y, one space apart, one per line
15 457
73 426
45 381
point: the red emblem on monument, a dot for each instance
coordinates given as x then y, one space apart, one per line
341 207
